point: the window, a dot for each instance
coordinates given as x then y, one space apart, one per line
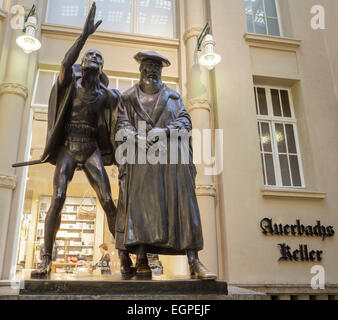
148 17
155 17
262 17
46 78
279 145
67 12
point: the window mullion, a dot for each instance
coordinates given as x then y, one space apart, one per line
269 102
134 16
265 18
279 18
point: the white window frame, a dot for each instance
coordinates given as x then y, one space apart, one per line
281 34
272 121
133 18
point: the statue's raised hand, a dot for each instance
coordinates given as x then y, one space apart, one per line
90 27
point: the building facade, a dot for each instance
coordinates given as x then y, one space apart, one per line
270 214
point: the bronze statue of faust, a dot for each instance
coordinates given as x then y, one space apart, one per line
158 211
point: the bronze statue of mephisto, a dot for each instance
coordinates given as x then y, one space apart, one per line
81 117
158 211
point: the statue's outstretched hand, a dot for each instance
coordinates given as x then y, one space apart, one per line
90 26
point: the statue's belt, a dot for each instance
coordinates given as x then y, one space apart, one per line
80 131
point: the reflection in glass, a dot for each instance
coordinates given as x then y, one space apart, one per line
277 111
248 7
67 12
266 137
260 25
116 15
294 163
270 170
257 112
263 106
270 8
273 27
286 103
156 17
280 138
285 170
257 8
291 138
249 22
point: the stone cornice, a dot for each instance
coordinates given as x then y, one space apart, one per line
205 190
272 42
293 194
198 104
192 32
14 88
50 29
7 182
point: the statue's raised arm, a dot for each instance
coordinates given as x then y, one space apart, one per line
73 53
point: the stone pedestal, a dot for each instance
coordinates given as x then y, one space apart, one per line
105 287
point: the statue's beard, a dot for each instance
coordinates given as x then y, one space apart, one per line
150 85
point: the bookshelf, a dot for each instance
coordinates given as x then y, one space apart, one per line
75 238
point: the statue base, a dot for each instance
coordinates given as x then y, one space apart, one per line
114 286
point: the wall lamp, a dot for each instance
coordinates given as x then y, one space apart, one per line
28 42
209 58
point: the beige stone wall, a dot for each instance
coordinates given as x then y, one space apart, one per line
308 68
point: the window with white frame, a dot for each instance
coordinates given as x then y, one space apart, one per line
277 127
262 17
46 78
148 17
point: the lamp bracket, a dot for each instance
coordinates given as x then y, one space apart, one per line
201 37
30 14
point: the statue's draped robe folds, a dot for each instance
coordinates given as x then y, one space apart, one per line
58 109
157 205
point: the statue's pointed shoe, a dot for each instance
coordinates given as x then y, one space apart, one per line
199 271
44 271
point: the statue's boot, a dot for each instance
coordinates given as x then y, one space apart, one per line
143 271
126 265
45 270
197 269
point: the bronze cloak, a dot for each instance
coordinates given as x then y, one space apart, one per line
157 203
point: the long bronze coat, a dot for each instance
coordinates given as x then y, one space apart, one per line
58 107
157 205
